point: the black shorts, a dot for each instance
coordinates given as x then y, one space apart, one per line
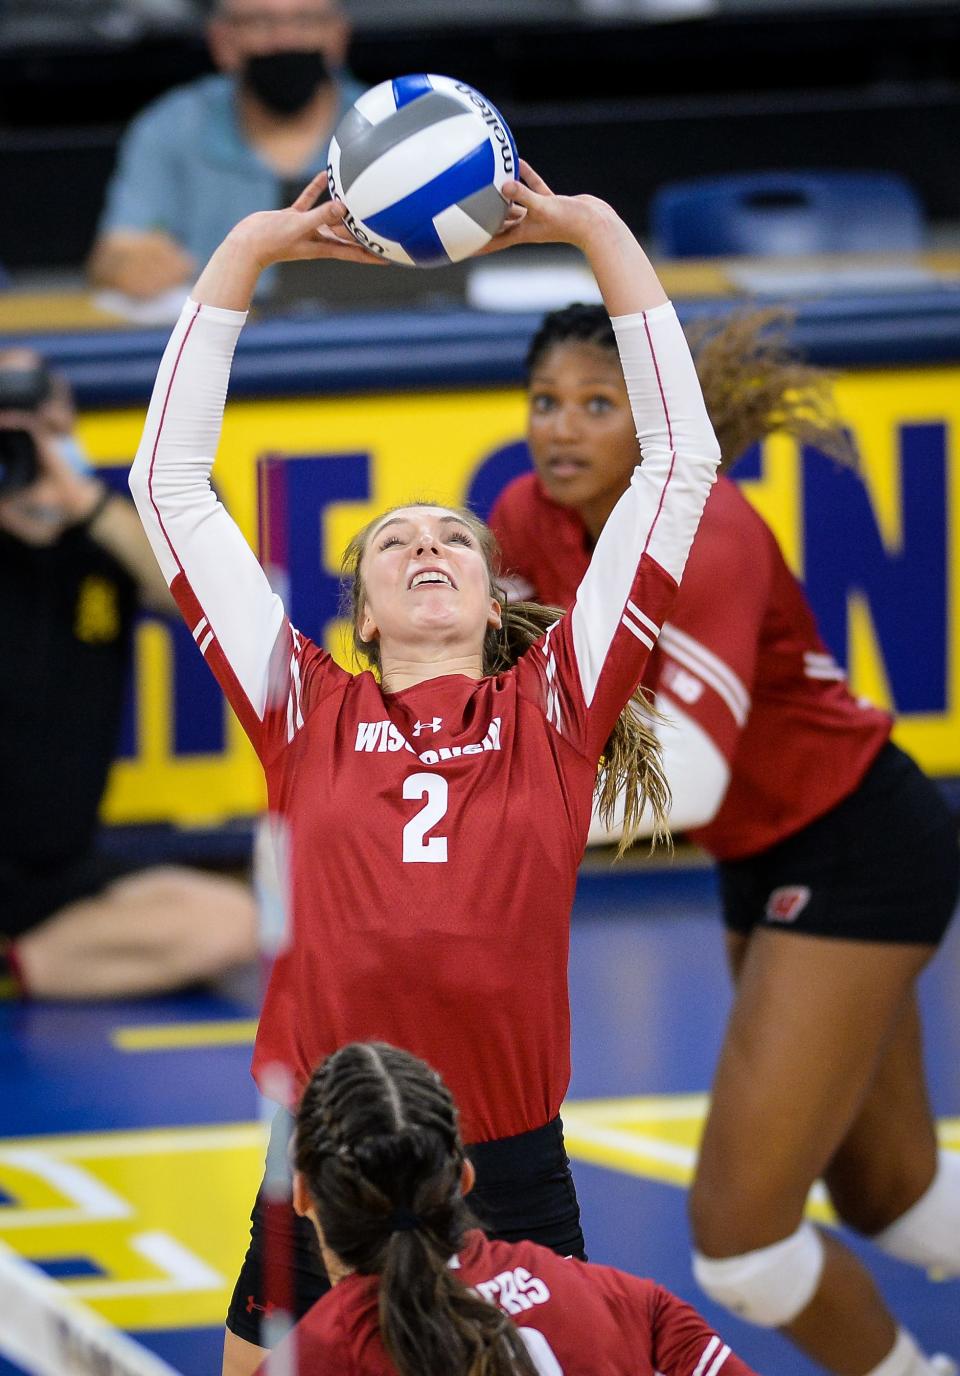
524 1190
883 865
29 894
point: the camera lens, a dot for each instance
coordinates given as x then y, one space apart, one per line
18 461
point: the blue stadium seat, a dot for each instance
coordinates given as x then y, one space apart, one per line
786 212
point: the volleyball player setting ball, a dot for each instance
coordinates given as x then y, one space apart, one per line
381 1173
436 807
837 861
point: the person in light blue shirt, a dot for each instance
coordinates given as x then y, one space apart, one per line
206 154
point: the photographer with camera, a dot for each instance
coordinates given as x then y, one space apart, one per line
74 566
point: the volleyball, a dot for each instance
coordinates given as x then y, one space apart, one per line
419 163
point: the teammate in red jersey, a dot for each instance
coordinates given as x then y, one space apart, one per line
838 864
418 1290
436 810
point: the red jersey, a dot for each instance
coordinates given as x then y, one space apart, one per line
740 654
576 1319
434 834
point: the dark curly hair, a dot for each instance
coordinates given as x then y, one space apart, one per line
752 379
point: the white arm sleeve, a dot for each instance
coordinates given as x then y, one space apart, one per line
659 513
696 770
218 583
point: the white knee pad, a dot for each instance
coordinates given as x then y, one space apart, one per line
770 1286
928 1234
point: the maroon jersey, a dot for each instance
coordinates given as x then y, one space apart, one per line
740 654
433 834
575 1318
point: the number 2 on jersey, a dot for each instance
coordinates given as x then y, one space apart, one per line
417 847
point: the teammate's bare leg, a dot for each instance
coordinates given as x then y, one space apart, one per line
812 1019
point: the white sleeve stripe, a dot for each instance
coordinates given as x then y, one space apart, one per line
722 1356
707 1353
643 618
673 637
641 635
697 667
205 642
835 675
199 628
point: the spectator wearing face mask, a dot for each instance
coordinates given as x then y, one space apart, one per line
206 154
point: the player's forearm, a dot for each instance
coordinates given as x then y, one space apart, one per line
624 273
231 275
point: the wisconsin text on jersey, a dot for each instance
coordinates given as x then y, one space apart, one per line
383 736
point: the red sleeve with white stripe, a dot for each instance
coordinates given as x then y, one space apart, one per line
267 670
592 659
707 656
684 1344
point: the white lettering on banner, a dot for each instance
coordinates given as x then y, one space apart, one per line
382 736
514 1291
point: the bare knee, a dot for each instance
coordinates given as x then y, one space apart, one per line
869 1195
737 1211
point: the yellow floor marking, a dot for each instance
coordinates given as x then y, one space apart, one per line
173 1036
164 1212
656 1137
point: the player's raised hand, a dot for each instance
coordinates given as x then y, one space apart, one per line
296 232
538 216
624 274
301 231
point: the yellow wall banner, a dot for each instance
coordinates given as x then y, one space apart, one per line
879 554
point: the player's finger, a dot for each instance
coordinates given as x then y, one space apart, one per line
519 194
533 179
308 196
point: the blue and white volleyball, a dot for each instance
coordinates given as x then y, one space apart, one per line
419 163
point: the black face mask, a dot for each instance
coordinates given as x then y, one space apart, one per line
286 81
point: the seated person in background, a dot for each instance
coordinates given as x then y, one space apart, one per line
419 1290
74 562
203 156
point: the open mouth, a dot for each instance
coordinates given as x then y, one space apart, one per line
431 578
565 466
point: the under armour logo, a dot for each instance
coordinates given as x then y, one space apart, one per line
267 1308
433 725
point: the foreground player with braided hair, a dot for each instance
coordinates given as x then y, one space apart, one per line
436 809
381 1173
838 859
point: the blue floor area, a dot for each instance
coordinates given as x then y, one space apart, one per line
650 997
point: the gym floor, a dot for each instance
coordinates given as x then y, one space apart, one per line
131 1145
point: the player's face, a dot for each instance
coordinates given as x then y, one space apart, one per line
580 429
425 584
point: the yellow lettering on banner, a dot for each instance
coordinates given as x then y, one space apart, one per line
776 496
429 446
